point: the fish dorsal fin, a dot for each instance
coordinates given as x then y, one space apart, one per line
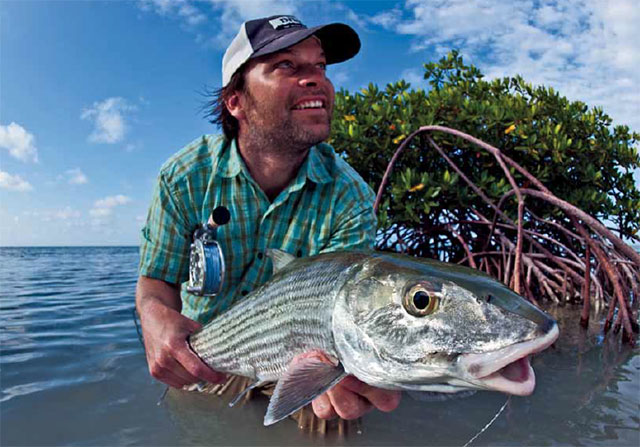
304 380
279 258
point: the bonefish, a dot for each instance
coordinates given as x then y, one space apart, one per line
393 321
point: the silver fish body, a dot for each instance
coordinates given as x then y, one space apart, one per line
289 315
393 321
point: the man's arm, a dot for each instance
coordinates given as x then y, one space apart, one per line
165 331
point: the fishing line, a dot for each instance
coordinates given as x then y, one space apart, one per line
490 422
162 396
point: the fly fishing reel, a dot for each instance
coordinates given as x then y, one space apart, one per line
206 260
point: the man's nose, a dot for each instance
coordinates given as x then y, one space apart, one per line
312 77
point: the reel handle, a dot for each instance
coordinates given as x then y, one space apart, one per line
218 217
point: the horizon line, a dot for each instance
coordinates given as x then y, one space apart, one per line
66 246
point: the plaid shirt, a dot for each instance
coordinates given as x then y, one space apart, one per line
327 207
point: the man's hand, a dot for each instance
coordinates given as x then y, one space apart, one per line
165 333
351 398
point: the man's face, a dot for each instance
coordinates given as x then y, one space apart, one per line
288 100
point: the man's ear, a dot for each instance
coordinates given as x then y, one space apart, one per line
234 106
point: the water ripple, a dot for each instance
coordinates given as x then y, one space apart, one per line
62 309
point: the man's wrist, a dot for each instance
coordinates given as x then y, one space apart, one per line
155 296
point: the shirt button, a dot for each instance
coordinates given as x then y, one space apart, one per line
245 293
260 255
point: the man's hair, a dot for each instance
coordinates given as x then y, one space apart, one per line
217 110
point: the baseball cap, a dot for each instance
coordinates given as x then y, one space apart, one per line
271 34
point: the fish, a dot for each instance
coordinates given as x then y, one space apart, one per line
393 321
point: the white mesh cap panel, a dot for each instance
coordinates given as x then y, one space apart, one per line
237 54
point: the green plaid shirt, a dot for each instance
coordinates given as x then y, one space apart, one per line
327 207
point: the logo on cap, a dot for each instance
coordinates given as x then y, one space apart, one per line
284 22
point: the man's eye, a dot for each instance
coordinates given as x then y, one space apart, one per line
284 64
322 66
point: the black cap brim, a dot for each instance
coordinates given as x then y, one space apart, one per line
339 42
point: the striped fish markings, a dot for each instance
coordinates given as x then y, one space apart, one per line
393 321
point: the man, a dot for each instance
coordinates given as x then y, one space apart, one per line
283 187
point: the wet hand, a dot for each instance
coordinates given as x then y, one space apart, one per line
169 356
352 398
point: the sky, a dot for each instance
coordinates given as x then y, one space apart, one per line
96 95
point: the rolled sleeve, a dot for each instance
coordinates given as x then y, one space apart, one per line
165 240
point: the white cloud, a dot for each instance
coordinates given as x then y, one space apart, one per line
13 182
588 50
104 207
19 142
108 118
233 12
387 19
66 214
180 8
76 177
227 15
191 14
335 11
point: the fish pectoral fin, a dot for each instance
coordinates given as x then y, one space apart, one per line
279 258
304 380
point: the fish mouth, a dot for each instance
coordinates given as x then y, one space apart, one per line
508 369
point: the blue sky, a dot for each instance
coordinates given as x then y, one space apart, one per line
95 96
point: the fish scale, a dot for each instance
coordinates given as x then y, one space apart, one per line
289 315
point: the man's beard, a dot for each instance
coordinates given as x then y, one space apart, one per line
285 136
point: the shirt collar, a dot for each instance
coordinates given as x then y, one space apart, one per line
230 164
316 169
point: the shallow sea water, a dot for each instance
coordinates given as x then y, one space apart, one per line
73 372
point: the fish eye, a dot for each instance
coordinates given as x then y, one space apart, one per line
419 301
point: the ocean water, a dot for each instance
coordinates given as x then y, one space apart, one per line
73 372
